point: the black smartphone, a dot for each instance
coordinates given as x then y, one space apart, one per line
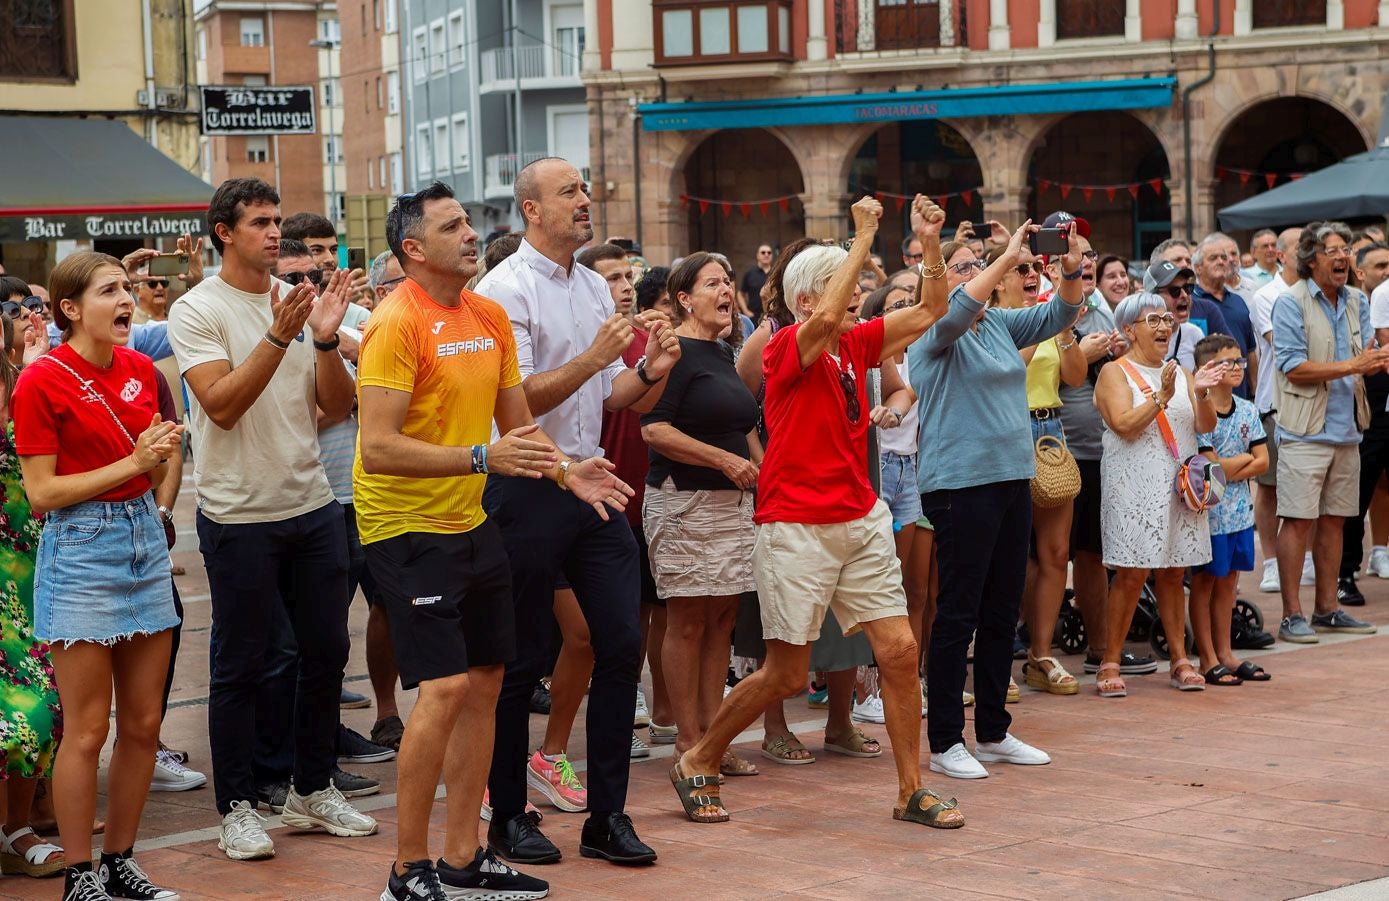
1049 241
168 264
357 258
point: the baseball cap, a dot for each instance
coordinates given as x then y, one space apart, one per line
1161 274
1061 217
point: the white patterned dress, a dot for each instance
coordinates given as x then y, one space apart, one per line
1143 524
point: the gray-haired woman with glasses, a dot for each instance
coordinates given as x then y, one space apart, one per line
1145 526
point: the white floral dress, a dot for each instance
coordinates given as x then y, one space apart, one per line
1143 524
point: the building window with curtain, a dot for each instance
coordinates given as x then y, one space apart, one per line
37 39
700 32
1089 18
1285 13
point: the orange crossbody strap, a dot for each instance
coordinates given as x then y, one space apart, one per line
1164 426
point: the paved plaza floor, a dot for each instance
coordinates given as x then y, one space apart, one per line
1276 790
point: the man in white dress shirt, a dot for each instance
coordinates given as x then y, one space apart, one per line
569 344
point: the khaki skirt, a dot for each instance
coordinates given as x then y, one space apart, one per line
700 542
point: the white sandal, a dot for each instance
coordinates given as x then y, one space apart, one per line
43 859
1055 680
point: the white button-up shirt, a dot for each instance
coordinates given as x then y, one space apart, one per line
555 316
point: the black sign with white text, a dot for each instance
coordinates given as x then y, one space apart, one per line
66 227
269 110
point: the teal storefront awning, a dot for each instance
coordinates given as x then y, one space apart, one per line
953 103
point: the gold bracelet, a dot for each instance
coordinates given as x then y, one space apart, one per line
564 474
935 270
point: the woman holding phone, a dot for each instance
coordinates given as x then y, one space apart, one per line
92 446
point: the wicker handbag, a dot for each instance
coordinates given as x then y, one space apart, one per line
1057 480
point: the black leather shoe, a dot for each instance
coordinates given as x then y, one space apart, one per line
520 840
1348 593
613 838
540 699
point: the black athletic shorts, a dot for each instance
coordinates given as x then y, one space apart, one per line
448 600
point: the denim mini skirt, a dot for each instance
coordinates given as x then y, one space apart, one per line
103 573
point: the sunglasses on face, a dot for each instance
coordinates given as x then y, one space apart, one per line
1035 266
13 309
900 305
1158 320
965 267
1091 255
157 282
1174 291
315 277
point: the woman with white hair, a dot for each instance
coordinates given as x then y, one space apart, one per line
824 539
976 437
1148 404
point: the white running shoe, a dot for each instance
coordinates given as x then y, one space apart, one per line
958 763
870 710
326 809
1309 570
639 747
643 717
243 834
172 776
1379 562
1010 750
1269 584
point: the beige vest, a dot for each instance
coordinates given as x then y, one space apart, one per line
1302 408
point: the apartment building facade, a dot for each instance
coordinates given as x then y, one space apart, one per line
373 117
719 125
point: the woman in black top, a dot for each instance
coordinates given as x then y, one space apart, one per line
697 514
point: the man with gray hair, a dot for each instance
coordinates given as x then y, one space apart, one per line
1323 346
1263 247
1213 263
385 276
1205 314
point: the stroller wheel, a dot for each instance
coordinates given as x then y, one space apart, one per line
1070 629
1157 640
1250 613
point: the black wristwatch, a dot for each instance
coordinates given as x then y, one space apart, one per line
646 380
328 345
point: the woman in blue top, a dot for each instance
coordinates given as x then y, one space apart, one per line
976 433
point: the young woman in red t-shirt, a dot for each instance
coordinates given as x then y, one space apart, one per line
92 446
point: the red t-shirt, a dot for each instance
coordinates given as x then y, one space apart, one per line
816 467
621 438
53 414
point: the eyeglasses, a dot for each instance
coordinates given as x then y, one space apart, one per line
964 267
13 309
1236 363
1158 320
913 256
1090 255
900 305
1174 291
1338 251
1035 266
315 276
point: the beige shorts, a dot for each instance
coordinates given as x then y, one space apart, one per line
848 567
699 542
1318 480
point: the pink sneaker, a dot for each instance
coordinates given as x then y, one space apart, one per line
557 782
487 809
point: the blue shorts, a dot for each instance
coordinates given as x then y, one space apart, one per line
102 573
899 490
1232 553
1050 426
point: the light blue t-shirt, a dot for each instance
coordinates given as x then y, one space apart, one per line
1235 433
1290 352
972 390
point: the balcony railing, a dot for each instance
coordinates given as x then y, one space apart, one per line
500 169
533 61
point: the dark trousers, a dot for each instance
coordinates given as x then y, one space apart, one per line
258 573
173 654
981 550
1374 462
548 531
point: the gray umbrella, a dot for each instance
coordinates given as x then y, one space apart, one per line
1355 188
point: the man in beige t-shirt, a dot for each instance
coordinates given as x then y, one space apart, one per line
258 355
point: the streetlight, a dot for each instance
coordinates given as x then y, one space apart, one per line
331 44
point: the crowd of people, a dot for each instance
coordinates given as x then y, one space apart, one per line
546 464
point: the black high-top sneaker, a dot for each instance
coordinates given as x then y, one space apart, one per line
81 884
122 878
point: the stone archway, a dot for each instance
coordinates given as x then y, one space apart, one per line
1104 148
927 156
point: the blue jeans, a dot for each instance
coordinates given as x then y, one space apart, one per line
899 490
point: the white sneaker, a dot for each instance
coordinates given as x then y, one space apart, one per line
1379 562
1010 750
639 747
172 776
958 763
1309 570
1269 583
870 710
326 809
243 834
643 717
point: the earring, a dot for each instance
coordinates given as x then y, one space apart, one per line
689 309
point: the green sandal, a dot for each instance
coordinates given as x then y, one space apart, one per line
915 812
697 792
782 748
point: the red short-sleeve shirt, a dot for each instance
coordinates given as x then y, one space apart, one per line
816 467
56 414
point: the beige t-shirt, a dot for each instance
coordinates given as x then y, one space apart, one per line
265 469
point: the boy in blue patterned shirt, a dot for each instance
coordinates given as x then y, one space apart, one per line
1239 444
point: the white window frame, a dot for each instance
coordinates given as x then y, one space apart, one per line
419 54
371 176
392 23
424 153
393 92
256 35
462 154
443 156
381 175
202 45
257 149
457 40
438 50
330 30
397 173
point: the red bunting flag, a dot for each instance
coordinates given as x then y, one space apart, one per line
745 209
684 201
784 203
1109 192
1044 184
1133 191
1065 191
968 196
1244 178
727 208
763 207
1088 192
901 202
1296 175
942 200
703 206
1221 172
1156 185
1270 177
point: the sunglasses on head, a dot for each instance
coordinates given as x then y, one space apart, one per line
1035 266
13 309
1174 291
315 276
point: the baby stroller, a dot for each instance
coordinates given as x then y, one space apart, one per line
1146 625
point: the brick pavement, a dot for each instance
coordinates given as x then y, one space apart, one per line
1262 791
